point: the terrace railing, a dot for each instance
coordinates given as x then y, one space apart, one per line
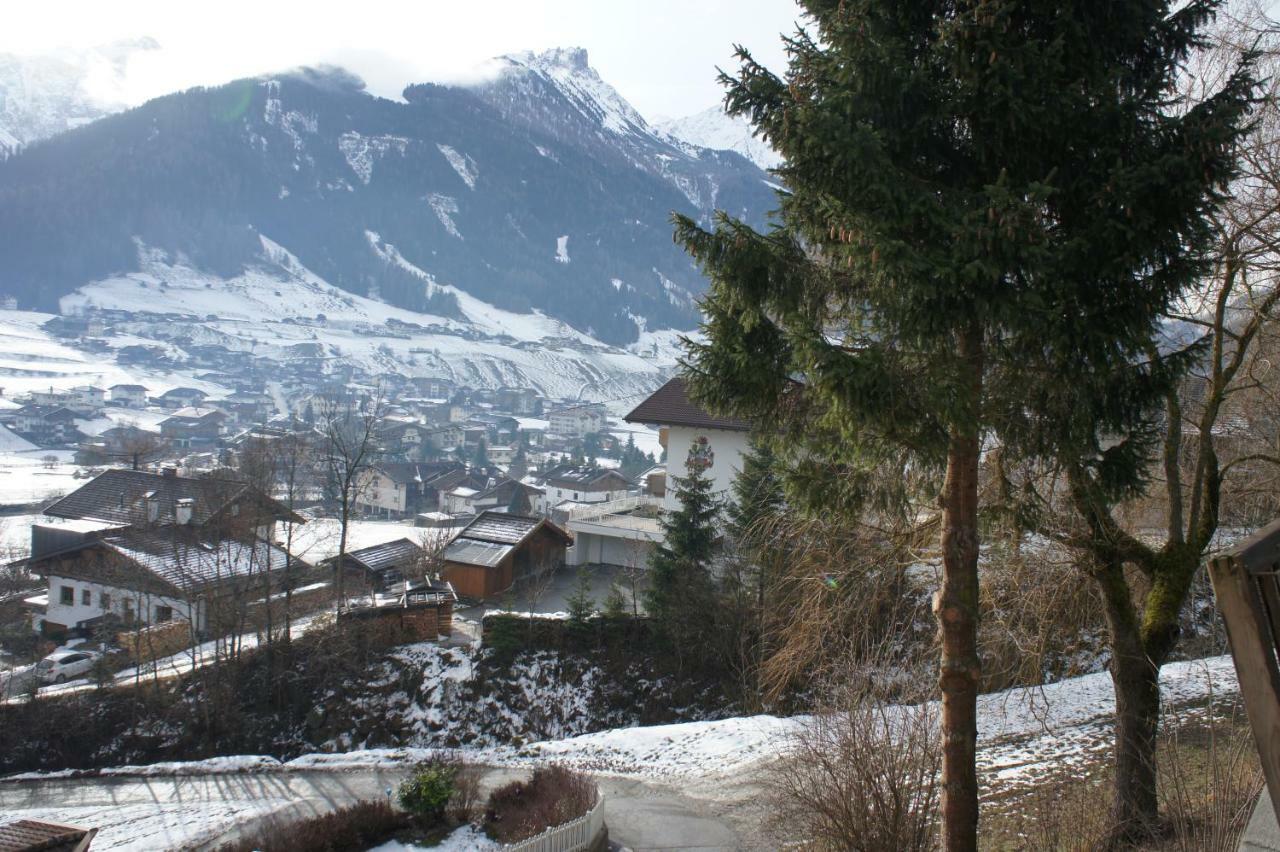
1246 582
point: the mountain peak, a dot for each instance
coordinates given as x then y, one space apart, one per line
569 58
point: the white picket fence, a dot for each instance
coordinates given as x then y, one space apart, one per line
570 837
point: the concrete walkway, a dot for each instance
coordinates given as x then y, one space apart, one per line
203 811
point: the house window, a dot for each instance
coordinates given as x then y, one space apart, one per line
86 597
68 596
104 601
164 613
128 611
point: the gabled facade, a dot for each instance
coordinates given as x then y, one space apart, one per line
497 550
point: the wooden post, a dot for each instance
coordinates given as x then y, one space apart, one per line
1245 581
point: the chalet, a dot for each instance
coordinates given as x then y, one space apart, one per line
147 548
577 421
582 484
401 437
434 388
129 396
148 576
443 437
193 428
623 531
128 444
404 489
521 401
85 400
688 433
182 398
46 425
503 495
140 498
497 550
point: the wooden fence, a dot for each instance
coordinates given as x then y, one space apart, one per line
1246 582
572 836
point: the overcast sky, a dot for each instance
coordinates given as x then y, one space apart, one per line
660 54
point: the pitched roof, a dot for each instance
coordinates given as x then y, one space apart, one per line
427 473
392 554
188 562
28 835
670 405
581 476
488 539
120 497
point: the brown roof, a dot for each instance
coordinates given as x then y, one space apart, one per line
670 405
28 835
120 497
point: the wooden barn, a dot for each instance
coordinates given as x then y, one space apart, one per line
497 549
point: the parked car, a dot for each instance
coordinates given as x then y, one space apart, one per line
61 666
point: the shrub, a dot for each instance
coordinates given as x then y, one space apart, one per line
350 829
426 793
552 796
861 778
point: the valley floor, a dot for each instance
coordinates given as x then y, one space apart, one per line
697 780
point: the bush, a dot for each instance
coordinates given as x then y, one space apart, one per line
862 778
552 796
426 793
350 829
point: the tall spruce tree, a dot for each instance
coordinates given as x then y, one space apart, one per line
986 200
681 589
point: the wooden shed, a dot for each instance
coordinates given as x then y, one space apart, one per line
498 549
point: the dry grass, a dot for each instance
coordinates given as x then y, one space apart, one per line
1209 781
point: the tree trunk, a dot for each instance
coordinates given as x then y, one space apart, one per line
956 609
1136 678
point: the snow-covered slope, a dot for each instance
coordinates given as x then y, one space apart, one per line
280 303
44 95
712 128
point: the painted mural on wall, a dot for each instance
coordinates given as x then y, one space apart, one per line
701 456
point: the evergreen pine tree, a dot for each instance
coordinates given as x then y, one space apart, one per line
615 603
580 602
480 458
757 491
972 229
519 503
681 590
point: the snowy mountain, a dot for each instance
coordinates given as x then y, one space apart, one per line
712 128
44 95
539 191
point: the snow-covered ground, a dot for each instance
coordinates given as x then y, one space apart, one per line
275 305
1021 732
26 477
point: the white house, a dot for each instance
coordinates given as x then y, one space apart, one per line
577 421
583 485
622 531
129 396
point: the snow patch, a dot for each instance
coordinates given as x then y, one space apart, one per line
444 207
361 151
562 249
462 164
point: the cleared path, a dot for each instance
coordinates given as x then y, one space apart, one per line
202 811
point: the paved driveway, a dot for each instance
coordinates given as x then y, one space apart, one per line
204 811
